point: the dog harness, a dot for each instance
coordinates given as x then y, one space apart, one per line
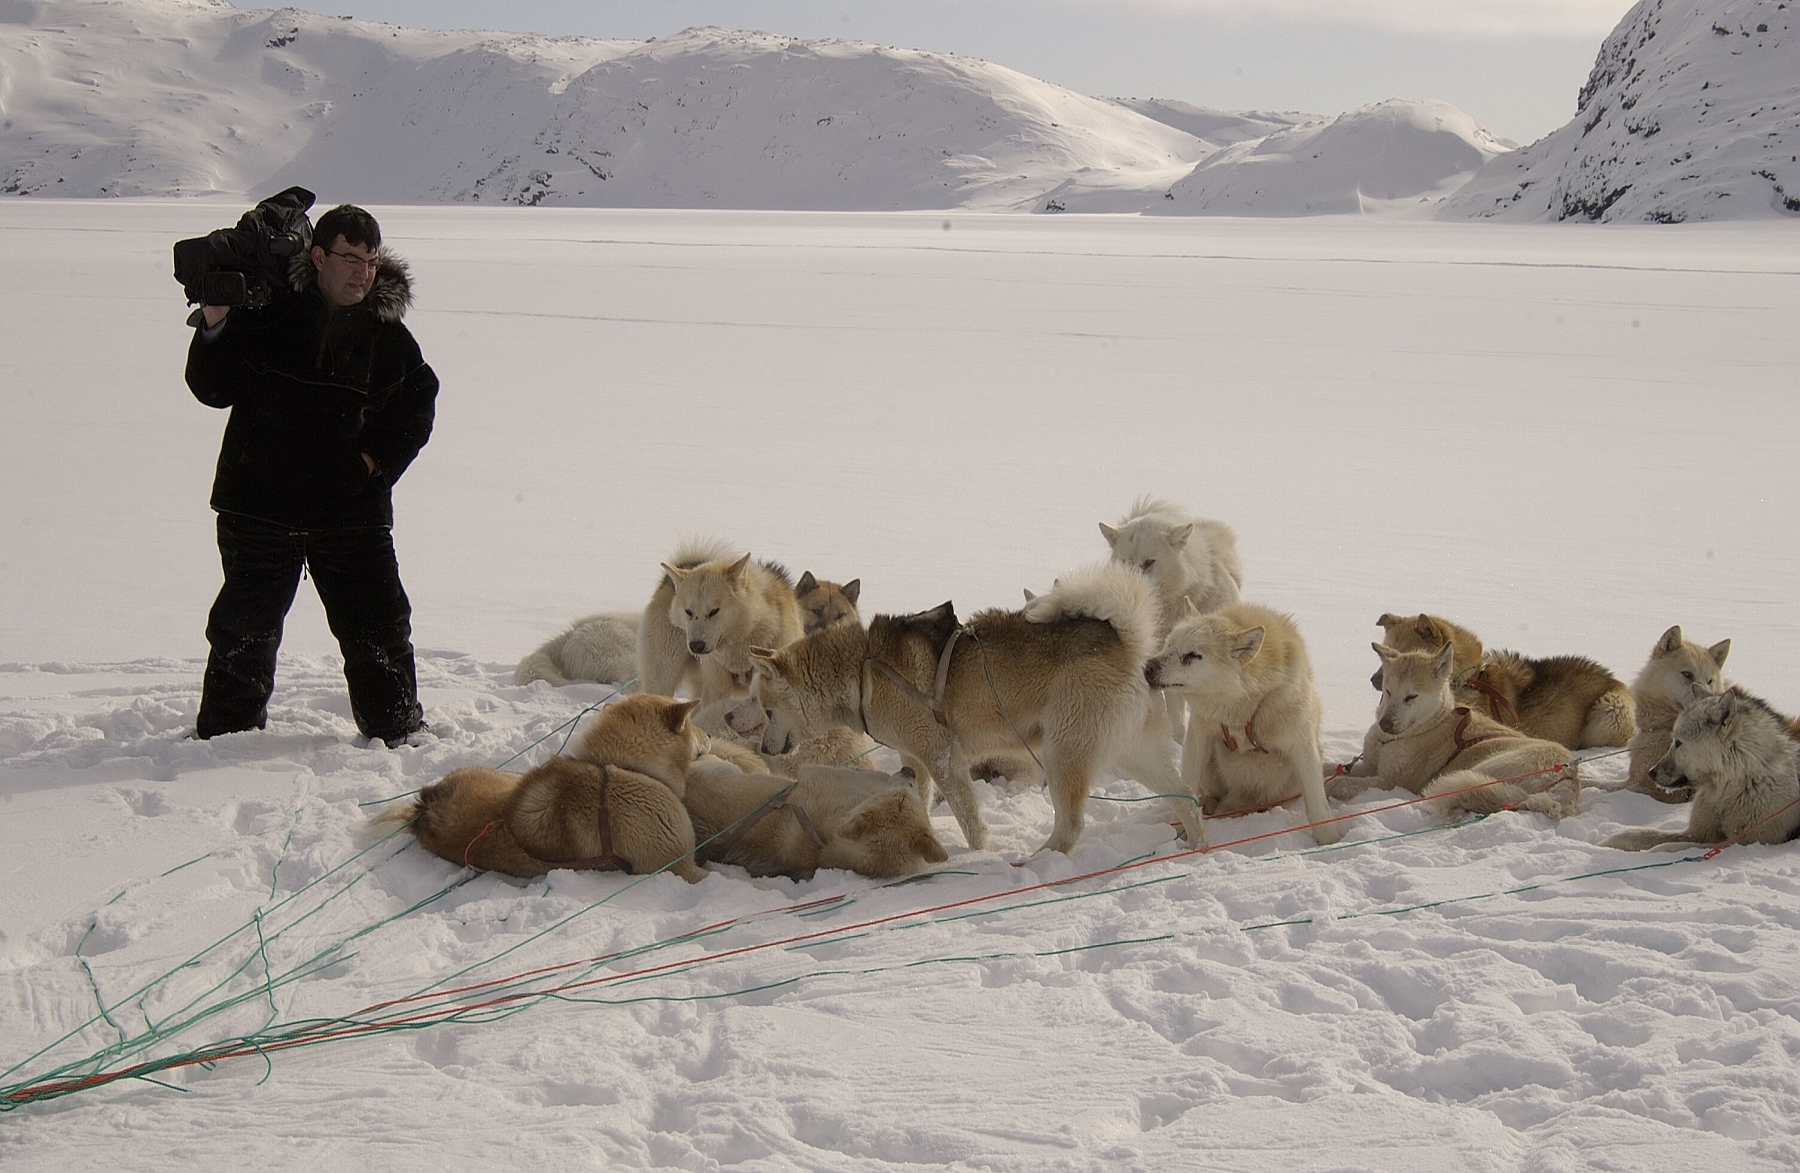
606 860
1496 700
778 802
1249 735
934 702
1462 727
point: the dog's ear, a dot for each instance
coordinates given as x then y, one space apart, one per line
1669 643
673 573
1727 708
1387 620
1109 533
765 660
676 715
735 572
1030 595
1386 653
1440 667
852 590
1192 612
1247 643
1718 651
1427 629
1179 535
807 584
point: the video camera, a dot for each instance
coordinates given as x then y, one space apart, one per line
249 264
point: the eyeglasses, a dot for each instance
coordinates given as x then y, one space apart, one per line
352 259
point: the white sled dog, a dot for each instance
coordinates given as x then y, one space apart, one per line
1735 754
603 646
1678 673
1253 713
600 647
941 693
1186 557
709 609
1423 741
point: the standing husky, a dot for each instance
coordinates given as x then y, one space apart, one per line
1187 558
1735 754
1566 699
1253 713
1423 741
1678 673
1069 686
707 612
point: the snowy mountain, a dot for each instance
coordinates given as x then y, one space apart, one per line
1692 112
1392 154
1220 128
163 97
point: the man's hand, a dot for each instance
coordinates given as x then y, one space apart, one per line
214 314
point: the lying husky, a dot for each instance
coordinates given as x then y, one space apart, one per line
1423 741
1678 673
1070 687
867 822
562 814
1566 699
601 647
1736 755
708 610
1253 713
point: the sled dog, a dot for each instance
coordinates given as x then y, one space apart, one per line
1678 673
823 603
600 647
1187 558
1428 633
1735 754
830 817
710 608
562 814
1253 713
1423 741
942 694
1566 699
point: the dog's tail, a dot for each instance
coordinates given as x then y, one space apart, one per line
392 816
693 551
539 666
1119 595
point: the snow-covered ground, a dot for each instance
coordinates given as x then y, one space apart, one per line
1567 439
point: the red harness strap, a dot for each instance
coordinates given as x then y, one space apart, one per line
606 860
1495 698
1249 735
1462 727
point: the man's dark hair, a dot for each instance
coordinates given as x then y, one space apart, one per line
350 222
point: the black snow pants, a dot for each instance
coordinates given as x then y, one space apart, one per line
358 578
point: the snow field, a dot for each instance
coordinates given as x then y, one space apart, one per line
944 412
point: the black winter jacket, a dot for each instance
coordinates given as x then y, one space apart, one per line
310 390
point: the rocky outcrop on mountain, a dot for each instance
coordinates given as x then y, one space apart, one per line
1692 112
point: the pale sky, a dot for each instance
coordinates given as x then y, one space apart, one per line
1515 65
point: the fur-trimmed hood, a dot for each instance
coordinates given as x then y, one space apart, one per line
390 294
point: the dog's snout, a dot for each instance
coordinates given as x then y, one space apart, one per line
1386 725
1151 676
698 647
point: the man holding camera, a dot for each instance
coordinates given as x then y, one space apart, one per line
330 401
